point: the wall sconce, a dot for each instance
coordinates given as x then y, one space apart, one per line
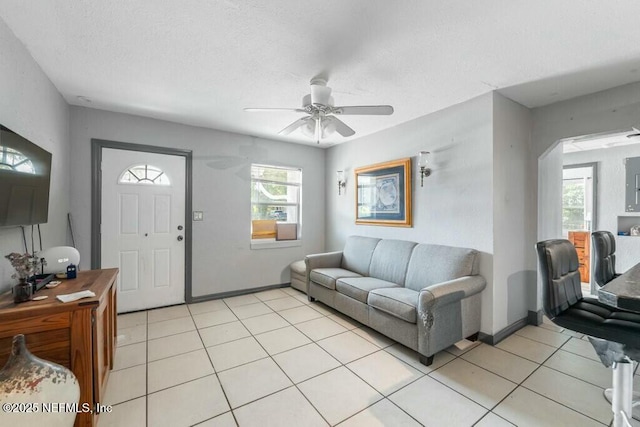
423 161
341 182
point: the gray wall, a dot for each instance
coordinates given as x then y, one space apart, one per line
222 258
549 168
606 111
611 195
455 206
31 106
514 275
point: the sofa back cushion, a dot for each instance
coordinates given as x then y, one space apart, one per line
357 252
431 264
390 260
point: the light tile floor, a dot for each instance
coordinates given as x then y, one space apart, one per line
274 359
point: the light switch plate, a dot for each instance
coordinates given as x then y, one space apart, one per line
198 215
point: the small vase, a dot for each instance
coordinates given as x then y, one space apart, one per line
36 392
22 291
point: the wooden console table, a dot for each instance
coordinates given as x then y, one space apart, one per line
79 335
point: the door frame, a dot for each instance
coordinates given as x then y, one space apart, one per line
594 194
96 200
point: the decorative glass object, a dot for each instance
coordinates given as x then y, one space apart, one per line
35 392
22 291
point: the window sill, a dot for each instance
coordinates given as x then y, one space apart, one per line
274 244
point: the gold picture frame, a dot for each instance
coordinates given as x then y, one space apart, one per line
383 194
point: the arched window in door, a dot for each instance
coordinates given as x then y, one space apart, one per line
144 174
12 159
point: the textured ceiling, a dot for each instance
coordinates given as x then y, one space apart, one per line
200 62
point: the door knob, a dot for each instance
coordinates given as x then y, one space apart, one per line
180 238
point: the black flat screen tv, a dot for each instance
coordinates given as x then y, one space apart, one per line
25 174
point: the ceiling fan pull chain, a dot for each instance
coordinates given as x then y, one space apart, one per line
318 129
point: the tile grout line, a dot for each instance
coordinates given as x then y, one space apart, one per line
380 393
282 370
341 365
313 341
360 378
322 373
293 384
521 384
518 385
215 372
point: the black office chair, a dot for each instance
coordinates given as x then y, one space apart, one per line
604 257
618 330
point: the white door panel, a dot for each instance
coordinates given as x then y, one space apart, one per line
140 229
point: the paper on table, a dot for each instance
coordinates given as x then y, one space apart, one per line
75 296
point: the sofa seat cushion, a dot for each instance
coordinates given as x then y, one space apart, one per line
358 288
327 276
398 302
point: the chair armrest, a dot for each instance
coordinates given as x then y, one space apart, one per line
325 260
451 291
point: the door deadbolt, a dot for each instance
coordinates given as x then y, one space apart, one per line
180 227
180 238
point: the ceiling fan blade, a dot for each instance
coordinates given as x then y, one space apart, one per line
253 110
374 110
293 126
342 128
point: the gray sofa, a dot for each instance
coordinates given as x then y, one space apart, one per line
424 296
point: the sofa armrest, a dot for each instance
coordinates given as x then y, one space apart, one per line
448 312
324 260
448 292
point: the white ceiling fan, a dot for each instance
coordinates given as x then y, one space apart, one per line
320 120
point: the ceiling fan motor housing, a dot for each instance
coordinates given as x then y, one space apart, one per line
320 94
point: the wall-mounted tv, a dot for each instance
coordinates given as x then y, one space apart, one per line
25 173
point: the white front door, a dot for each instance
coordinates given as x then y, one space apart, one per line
142 232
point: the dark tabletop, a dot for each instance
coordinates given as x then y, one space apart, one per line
623 291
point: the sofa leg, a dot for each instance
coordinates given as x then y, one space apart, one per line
473 337
310 298
426 360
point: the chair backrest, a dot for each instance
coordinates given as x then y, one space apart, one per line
558 267
604 258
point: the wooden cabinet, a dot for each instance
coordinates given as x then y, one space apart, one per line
582 241
79 335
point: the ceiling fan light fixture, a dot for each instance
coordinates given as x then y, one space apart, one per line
328 127
320 109
309 128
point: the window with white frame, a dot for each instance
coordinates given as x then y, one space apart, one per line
275 194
